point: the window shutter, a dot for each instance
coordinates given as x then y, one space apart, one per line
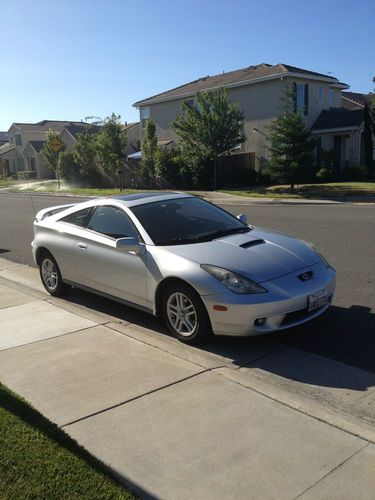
306 96
294 97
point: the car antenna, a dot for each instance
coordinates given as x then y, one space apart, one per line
29 191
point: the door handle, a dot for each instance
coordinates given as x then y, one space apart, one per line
83 246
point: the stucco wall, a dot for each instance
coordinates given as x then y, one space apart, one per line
260 102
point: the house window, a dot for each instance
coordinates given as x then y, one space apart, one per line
18 140
144 115
331 97
320 94
190 102
301 98
11 140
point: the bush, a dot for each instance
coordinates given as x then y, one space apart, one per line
324 175
171 169
354 173
71 172
25 175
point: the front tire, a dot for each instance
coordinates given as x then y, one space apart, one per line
185 314
51 276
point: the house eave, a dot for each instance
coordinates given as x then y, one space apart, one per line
336 129
276 76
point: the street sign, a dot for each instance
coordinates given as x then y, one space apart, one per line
55 144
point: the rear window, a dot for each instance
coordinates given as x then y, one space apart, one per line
78 218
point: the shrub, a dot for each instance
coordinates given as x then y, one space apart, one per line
324 175
354 173
171 169
25 175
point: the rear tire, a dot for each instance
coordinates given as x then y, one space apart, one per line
185 314
51 276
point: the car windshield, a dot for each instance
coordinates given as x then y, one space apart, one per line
186 220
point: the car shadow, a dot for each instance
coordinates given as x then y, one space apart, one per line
345 335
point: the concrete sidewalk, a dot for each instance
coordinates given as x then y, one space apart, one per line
180 422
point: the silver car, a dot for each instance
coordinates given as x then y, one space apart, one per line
179 257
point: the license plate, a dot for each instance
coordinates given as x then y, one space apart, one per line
317 300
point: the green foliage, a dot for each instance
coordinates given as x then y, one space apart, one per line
369 130
324 175
84 152
38 460
353 173
291 147
69 169
171 169
149 149
25 175
208 128
110 144
50 157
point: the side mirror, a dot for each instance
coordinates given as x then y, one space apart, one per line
128 245
242 218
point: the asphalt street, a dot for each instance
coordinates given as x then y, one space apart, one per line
345 235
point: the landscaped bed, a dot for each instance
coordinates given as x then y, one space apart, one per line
38 460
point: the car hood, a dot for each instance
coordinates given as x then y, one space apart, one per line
259 255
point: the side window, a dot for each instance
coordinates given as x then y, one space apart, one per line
78 218
112 222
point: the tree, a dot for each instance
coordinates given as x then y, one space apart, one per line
68 168
369 129
209 128
291 146
149 149
84 152
50 156
111 143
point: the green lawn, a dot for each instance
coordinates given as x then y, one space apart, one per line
38 460
330 190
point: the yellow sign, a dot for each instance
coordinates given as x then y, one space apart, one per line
55 144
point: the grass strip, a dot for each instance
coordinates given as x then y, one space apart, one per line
38 460
330 190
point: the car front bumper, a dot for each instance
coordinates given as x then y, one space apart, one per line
283 306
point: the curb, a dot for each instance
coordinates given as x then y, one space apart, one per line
217 200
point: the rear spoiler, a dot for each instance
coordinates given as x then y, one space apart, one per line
47 212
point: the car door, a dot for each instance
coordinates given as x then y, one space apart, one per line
101 265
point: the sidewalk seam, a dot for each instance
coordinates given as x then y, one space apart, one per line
135 398
331 471
50 338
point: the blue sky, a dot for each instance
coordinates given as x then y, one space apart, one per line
75 58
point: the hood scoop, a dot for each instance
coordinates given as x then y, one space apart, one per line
252 243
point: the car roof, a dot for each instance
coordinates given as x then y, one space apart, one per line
131 200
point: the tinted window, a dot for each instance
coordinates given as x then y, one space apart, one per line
113 222
78 218
186 220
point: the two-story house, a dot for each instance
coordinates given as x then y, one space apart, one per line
259 90
26 142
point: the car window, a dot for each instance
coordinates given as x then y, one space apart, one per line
78 218
185 220
112 222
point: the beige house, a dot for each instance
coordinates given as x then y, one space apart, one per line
23 151
258 90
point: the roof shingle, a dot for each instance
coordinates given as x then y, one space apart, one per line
232 77
338 118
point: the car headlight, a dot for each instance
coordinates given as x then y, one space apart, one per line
233 281
312 246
